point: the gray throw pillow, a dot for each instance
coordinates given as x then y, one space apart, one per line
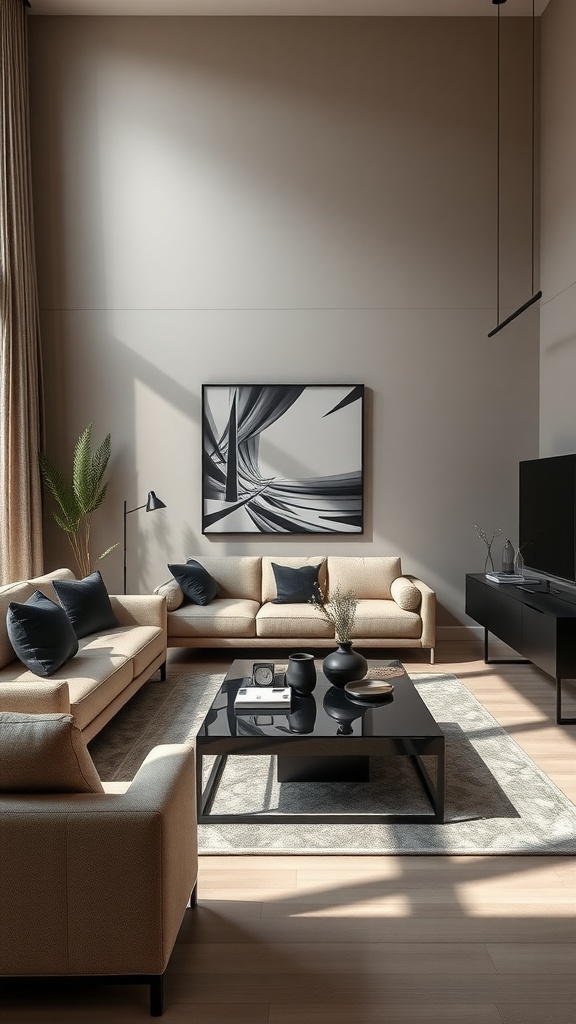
295 586
44 754
87 604
195 581
41 634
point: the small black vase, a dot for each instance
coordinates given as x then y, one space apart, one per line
344 665
302 714
301 673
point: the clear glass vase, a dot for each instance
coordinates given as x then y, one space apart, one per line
489 562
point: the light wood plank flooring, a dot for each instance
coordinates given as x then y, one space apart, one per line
364 940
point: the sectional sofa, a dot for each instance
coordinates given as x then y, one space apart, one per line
394 609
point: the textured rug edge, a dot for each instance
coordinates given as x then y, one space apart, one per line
420 676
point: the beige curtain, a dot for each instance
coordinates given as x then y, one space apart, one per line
20 385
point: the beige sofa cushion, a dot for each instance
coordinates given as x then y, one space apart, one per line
385 619
291 620
44 583
405 594
236 575
94 678
370 578
98 678
44 754
173 594
223 617
140 643
294 561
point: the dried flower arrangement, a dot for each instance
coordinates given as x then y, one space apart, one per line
489 562
340 611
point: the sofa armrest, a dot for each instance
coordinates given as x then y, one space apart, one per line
165 787
427 611
140 609
35 698
108 875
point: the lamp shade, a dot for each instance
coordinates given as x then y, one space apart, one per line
153 502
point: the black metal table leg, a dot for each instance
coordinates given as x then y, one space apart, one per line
560 720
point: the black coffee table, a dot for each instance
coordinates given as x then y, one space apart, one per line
326 737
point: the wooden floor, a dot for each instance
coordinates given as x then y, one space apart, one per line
359 940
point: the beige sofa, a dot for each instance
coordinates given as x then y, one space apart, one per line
96 884
394 610
108 669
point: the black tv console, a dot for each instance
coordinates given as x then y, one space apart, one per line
539 626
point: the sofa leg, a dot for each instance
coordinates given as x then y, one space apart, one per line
194 896
431 655
157 995
163 673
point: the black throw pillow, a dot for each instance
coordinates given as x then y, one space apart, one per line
41 634
87 604
295 586
195 581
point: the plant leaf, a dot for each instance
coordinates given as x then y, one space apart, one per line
108 550
81 470
61 491
100 462
99 498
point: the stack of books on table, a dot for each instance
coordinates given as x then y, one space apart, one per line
258 698
506 577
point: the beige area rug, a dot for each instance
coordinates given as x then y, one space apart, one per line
497 800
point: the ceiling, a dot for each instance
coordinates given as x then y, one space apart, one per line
389 8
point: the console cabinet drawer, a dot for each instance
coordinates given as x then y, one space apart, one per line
538 642
494 610
503 618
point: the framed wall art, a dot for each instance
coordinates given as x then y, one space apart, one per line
282 458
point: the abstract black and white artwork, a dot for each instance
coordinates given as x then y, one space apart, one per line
282 458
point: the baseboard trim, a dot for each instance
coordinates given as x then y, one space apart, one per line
459 634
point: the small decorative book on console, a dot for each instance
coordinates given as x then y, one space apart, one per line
506 577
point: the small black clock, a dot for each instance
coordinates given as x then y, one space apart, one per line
263 673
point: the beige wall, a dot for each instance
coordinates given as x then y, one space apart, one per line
558 202
286 200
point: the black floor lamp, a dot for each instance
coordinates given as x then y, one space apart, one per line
151 505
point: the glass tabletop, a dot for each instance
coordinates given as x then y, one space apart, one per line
327 711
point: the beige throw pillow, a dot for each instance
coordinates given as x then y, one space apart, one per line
405 594
173 594
44 754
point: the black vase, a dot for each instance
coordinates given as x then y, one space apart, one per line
301 673
302 714
344 665
342 710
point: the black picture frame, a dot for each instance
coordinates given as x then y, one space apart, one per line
283 458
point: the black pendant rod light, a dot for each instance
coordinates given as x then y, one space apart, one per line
535 295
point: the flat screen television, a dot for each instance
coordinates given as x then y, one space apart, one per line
547 507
